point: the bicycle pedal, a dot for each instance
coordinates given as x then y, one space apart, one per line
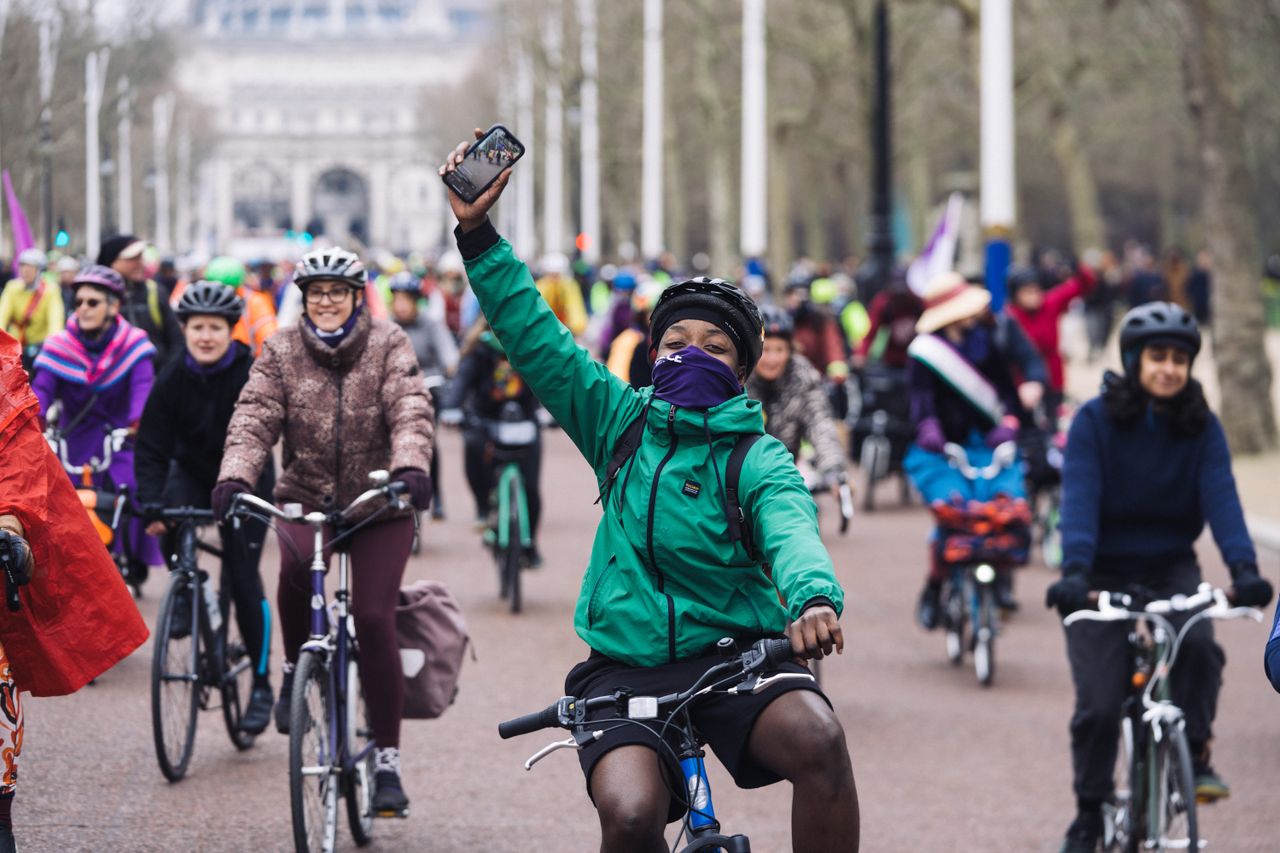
392 813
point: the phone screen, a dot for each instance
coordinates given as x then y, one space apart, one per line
497 150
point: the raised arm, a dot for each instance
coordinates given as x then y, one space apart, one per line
592 405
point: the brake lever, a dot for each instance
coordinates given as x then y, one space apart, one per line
756 683
577 740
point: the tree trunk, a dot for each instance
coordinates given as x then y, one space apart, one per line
1244 373
1088 229
721 222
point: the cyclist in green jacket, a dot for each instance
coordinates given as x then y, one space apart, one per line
665 580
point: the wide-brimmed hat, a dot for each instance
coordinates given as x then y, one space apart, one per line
124 246
948 299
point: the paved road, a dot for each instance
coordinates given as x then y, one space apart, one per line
941 764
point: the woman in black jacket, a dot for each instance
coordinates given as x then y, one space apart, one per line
179 451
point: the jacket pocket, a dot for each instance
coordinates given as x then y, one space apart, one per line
750 612
598 590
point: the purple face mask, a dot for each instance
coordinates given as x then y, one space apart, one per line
691 379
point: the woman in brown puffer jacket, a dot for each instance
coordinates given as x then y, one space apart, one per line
345 392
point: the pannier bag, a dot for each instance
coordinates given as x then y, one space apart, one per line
433 640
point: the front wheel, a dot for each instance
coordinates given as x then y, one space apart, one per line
514 556
984 639
1173 811
1121 821
237 677
313 769
359 739
869 464
955 616
175 676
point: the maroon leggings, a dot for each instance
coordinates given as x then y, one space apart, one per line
378 556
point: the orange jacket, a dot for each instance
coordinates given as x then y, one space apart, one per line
258 321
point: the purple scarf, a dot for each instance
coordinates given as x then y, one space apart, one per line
691 379
211 369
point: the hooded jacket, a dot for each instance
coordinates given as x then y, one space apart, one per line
664 581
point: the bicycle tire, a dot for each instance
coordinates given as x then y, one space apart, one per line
315 817
1175 826
174 664
236 669
514 558
984 636
1122 815
359 734
954 614
867 465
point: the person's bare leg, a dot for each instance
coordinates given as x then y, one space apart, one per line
799 738
631 800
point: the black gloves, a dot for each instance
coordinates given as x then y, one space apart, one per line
15 558
224 493
419 483
1069 594
1251 588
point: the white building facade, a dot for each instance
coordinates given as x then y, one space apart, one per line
317 107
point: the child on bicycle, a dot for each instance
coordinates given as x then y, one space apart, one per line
963 392
665 581
346 394
1146 466
180 441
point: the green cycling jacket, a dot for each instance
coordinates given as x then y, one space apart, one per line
664 581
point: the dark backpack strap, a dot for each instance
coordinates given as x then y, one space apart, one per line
623 450
739 524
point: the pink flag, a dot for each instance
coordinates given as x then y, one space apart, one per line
22 238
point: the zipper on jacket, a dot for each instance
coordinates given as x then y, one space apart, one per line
337 480
653 561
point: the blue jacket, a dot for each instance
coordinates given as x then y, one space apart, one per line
1272 659
1135 498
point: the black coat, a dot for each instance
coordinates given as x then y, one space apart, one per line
185 421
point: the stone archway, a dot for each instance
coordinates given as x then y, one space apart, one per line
340 208
260 200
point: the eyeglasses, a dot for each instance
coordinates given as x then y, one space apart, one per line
336 295
88 303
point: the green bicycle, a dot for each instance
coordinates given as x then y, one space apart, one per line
512 439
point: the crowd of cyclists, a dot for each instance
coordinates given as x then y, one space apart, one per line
710 414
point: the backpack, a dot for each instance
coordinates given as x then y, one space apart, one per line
738 525
433 639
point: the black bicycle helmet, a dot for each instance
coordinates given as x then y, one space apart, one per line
1020 276
1157 322
331 263
405 282
777 322
715 301
210 298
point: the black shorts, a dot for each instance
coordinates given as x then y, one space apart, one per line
724 721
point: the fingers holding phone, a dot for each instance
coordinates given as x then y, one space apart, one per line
476 173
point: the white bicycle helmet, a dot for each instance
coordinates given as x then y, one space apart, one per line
331 263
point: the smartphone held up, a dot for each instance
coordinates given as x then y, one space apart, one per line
484 161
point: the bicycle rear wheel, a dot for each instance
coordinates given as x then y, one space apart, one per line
313 773
175 678
514 557
984 636
237 677
359 786
1174 825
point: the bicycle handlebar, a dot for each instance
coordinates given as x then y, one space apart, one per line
112 443
1003 456
569 711
1114 607
293 511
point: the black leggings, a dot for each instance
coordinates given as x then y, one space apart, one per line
481 470
241 553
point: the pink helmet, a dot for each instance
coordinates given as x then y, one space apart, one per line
103 278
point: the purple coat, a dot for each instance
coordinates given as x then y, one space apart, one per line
66 371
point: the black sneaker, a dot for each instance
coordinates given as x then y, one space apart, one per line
1004 594
1084 834
927 610
180 615
282 704
258 713
533 557
389 799
1210 787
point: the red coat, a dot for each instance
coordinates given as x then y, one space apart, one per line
1042 326
77 618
